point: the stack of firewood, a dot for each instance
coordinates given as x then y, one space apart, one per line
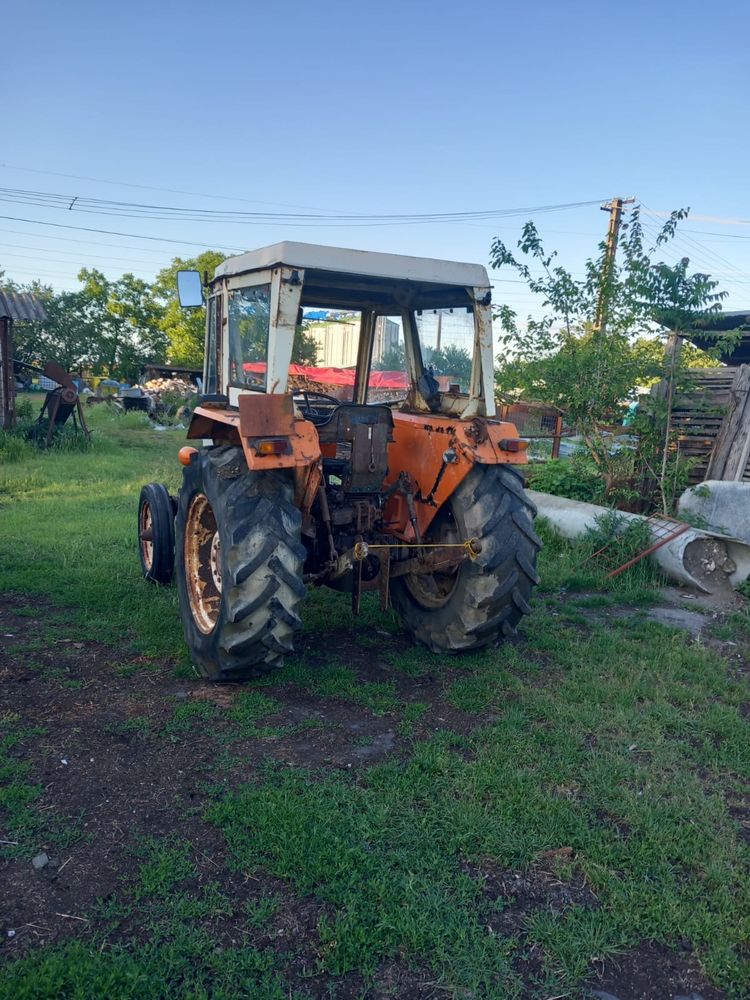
176 385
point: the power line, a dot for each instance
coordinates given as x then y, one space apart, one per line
152 187
722 220
44 274
71 239
108 207
74 253
685 247
70 263
112 232
723 236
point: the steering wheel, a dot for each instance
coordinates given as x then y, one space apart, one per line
316 404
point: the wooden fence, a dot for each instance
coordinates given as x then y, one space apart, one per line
712 422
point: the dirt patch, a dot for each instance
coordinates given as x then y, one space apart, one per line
539 887
738 806
692 621
652 972
115 768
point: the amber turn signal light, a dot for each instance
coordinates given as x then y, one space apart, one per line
271 446
513 444
185 454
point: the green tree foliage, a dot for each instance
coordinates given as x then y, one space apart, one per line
108 327
305 348
454 361
592 374
184 328
393 360
67 336
126 321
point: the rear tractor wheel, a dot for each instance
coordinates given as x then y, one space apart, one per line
239 565
478 601
156 533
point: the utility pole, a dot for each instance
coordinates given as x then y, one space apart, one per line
614 208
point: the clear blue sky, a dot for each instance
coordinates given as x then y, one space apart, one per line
374 108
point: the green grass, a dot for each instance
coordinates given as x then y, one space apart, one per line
620 739
649 824
337 680
174 967
80 511
136 725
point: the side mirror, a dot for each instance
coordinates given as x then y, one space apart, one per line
189 289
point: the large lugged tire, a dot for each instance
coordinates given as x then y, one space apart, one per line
483 599
156 533
239 565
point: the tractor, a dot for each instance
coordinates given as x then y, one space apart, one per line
420 499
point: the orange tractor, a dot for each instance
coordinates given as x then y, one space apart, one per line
421 499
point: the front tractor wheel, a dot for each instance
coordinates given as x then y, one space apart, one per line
239 565
481 600
156 533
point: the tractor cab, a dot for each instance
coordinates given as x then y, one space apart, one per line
258 300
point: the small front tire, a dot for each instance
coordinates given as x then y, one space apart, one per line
156 533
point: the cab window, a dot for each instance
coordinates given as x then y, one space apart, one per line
249 319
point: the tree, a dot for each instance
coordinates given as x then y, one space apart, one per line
305 347
393 360
67 335
126 320
453 361
592 374
108 327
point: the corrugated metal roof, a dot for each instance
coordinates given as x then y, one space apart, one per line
705 332
20 306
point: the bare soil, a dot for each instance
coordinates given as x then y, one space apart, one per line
652 972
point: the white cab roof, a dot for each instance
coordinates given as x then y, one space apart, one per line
310 256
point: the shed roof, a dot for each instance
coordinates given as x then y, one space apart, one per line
705 332
20 306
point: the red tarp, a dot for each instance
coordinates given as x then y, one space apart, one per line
338 376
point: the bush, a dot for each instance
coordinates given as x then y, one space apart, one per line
13 448
577 478
24 410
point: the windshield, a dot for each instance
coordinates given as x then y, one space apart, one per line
330 340
447 340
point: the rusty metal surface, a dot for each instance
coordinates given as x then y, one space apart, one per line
7 378
203 564
266 415
20 306
362 434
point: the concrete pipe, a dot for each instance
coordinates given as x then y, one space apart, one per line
710 561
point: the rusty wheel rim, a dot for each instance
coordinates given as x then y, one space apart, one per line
434 590
146 535
202 550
